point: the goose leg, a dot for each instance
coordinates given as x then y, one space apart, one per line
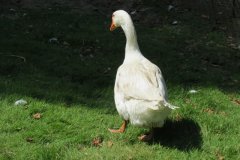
121 129
147 137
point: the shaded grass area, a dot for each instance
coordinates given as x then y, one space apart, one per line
70 82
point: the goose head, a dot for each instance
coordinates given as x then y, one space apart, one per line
119 19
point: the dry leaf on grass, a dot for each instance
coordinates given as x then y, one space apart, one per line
37 116
211 111
234 100
29 139
219 156
237 101
208 110
97 142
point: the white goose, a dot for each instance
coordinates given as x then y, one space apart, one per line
140 92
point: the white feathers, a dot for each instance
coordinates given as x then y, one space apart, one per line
170 106
140 92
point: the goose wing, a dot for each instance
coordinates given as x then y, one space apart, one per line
141 82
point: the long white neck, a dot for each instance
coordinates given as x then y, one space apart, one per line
131 49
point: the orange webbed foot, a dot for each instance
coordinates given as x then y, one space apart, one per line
121 129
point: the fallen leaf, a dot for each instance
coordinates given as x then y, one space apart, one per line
37 115
208 110
219 156
29 139
97 142
237 101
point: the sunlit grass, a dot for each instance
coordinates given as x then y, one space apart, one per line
70 83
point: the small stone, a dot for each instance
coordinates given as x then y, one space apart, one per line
175 22
133 12
53 40
192 91
12 10
170 7
20 102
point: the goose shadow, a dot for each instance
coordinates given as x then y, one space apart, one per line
184 135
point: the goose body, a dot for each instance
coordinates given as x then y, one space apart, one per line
140 92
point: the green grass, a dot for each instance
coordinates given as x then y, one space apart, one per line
72 87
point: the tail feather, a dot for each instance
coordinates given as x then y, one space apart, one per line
161 105
166 104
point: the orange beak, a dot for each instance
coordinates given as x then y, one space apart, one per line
112 27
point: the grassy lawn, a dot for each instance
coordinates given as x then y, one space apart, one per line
63 63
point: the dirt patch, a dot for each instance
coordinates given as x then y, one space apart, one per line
106 4
225 15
